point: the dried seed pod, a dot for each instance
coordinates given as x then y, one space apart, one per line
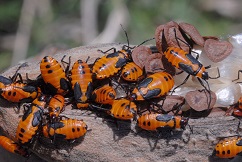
173 102
210 37
192 32
174 36
199 99
140 54
158 37
153 63
217 50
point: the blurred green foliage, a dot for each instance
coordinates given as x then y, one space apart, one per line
145 16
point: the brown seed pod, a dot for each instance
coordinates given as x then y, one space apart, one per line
158 37
192 32
199 99
173 102
210 37
153 63
140 54
174 36
217 50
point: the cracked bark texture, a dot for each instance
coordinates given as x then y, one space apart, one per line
104 142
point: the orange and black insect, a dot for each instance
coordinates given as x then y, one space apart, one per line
56 106
236 108
131 72
66 129
228 147
16 91
104 95
123 109
12 146
110 64
155 85
19 92
157 122
54 76
81 81
31 121
184 60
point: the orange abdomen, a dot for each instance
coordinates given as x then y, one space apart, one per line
29 125
56 105
81 81
123 109
154 121
131 72
19 92
155 85
184 61
12 147
68 129
104 95
54 75
229 147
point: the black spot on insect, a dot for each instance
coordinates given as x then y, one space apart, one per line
14 93
144 123
21 135
73 129
223 152
125 74
122 115
22 130
148 123
47 66
82 72
111 95
165 78
78 129
50 71
228 152
9 93
122 104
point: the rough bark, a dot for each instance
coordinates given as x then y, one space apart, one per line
104 142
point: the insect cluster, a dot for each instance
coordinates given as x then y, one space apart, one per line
133 83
